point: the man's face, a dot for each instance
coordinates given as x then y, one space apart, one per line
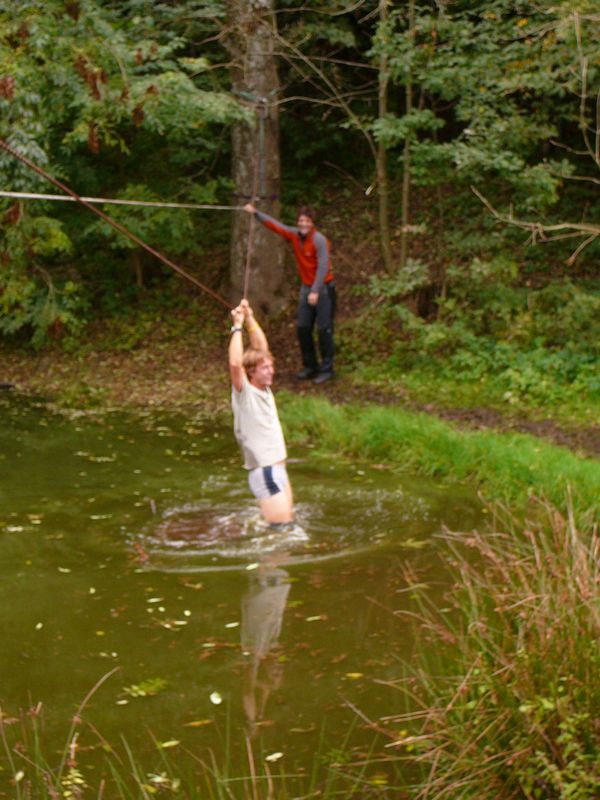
263 374
305 224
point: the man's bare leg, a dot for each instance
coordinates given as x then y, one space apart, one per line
278 508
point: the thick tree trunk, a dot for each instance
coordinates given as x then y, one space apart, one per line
256 166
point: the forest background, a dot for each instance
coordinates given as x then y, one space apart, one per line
452 149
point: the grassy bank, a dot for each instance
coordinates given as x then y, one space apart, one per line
507 467
571 410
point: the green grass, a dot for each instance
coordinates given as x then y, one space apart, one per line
570 409
507 467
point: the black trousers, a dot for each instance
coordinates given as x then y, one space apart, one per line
323 314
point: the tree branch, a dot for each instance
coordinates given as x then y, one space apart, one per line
540 232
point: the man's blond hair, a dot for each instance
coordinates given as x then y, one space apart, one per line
253 357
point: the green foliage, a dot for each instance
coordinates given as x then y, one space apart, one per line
121 100
391 130
534 345
497 80
404 282
167 229
114 103
31 300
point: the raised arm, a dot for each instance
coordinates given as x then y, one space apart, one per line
271 223
236 348
258 340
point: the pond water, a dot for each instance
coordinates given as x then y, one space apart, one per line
132 542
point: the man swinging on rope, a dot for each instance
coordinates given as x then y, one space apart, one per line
317 292
255 420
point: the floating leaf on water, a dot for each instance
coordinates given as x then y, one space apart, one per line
122 702
354 676
15 528
339 658
187 613
100 633
273 756
216 699
64 569
413 544
379 779
198 723
39 626
317 618
155 599
147 688
170 743
91 590
232 625
310 729
253 566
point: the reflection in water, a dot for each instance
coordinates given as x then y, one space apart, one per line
263 607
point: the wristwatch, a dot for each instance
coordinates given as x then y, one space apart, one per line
235 328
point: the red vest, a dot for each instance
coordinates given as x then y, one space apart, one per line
305 252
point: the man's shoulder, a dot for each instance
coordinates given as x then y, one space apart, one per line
319 238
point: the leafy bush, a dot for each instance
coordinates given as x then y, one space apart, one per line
531 344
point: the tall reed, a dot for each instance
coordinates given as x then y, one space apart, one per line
508 677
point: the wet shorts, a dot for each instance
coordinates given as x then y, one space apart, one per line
267 481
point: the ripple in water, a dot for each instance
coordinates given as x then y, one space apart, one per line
195 537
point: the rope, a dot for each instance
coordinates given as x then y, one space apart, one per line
194 206
258 161
117 225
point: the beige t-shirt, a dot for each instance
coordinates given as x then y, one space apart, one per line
256 426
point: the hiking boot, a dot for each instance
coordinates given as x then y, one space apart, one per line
324 376
306 373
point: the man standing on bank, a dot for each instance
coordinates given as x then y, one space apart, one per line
317 292
255 420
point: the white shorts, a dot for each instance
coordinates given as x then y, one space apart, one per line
267 481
